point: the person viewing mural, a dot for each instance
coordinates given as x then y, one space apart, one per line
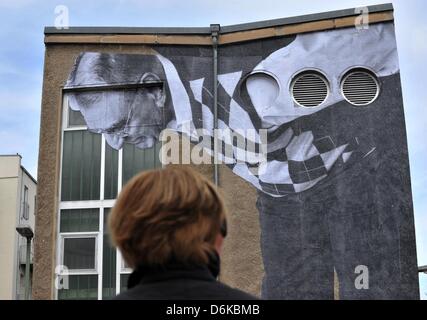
170 225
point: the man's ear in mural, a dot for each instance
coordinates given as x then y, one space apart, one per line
157 91
144 120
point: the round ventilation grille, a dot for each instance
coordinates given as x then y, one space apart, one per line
309 89
360 87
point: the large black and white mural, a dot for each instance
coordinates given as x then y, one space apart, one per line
324 109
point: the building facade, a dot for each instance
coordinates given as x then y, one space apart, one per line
313 156
17 207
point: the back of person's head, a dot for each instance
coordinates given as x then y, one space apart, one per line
171 213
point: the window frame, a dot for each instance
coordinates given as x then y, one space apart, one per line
100 204
79 235
66 117
76 275
25 205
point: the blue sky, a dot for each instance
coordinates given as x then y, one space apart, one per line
22 53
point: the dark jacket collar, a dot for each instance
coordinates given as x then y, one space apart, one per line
175 270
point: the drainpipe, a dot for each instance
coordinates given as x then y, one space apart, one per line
215 29
27 270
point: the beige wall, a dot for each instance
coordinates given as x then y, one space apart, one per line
9 201
22 242
12 181
10 166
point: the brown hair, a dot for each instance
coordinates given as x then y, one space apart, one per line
170 213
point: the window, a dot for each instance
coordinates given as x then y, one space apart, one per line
75 119
25 205
92 174
124 278
81 163
79 220
79 253
108 263
111 172
79 240
136 160
125 272
125 266
80 287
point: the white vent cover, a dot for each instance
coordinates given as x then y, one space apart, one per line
309 89
360 87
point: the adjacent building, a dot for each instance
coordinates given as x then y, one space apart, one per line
18 204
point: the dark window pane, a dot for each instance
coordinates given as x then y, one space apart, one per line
81 165
80 287
124 281
136 160
79 220
108 263
111 171
79 253
25 206
75 119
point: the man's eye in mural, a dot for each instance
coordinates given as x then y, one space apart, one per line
117 128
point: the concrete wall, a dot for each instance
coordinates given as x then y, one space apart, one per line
13 178
9 208
26 180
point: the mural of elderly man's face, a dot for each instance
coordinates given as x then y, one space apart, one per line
132 115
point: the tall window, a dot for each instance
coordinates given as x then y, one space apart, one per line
92 174
25 205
